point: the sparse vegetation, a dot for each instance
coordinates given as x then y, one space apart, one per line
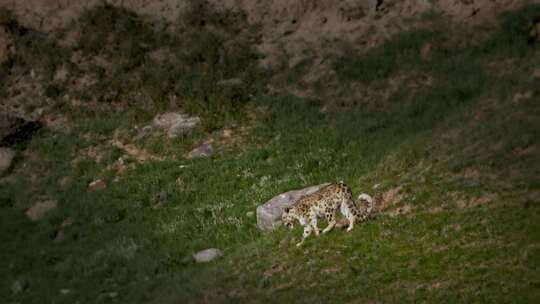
452 155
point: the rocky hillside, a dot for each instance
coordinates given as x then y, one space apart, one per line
139 140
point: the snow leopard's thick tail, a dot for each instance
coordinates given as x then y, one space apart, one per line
366 198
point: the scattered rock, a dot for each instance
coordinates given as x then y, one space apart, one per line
39 209
98 184
65 291
230 82
522 96
61 74
14 129
269 214
112 294
19 286
376 186
207 255
226 133
204 150
6 158
250 213
175 124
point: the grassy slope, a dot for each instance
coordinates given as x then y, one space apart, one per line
463 153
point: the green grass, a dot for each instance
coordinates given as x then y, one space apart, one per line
132 241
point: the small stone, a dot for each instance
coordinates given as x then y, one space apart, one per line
6 158
522 96
112 294
250 213
19 286
376 186
175 123
39 209
98 184
207 255
226 133
204 150
61 74
536 73
64 182
65 291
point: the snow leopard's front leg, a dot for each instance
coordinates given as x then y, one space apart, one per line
307 232
313 222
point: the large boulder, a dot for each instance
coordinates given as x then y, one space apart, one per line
175 124
269 214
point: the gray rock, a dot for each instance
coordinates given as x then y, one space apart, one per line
96 185
6 158
65 291
207 255
269 214
39 209
19 286
203 150
175 124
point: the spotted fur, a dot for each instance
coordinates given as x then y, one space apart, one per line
325 203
